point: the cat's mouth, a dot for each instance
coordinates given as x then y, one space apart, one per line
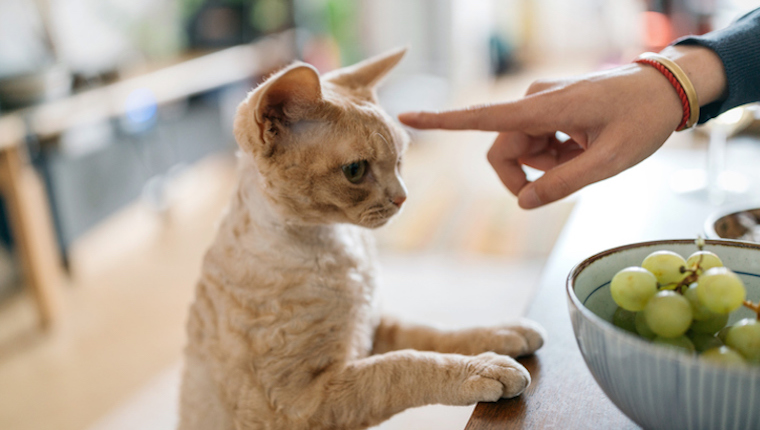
377 216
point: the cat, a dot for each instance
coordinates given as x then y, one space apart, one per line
283 333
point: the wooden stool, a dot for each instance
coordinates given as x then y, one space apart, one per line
30 221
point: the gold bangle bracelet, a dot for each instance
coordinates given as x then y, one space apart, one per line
680 75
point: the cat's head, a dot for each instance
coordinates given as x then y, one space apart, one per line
324 148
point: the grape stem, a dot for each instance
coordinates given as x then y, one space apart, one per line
753 307
700 242
684 283
692 277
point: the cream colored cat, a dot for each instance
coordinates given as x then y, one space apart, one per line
283 333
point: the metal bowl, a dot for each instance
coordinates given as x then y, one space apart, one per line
735 224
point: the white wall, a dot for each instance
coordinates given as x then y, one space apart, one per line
21 49
565 28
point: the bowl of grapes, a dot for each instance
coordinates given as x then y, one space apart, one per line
670 330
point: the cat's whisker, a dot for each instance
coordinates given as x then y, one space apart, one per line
376 210
377 214
373 209
391 148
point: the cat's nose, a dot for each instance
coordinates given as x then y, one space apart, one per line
398 200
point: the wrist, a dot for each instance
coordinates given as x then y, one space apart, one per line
704 69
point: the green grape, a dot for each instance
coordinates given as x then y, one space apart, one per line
665 266
722 333
632 287
699 311
710 326
720 290
680 343
723 356
704 341
744 337
624 319
642 328
668 314
705 259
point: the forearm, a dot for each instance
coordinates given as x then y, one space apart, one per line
393 335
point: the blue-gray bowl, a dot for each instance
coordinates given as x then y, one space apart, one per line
656 387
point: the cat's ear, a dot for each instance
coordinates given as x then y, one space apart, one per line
289 96
368 73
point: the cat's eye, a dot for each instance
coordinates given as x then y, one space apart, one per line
355 171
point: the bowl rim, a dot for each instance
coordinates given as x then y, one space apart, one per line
711 219
638 342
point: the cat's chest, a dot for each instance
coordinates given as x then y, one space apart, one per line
344 271
347 255
337 262
323 285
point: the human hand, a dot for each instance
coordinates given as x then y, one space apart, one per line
615 119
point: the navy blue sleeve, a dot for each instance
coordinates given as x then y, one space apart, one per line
738 46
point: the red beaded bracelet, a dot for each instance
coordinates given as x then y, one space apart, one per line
680 82
677 85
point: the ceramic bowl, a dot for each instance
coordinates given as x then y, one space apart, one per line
656 387
735 224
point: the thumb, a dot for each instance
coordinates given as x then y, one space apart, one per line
591 166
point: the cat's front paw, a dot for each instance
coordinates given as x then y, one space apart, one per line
519 338
492 376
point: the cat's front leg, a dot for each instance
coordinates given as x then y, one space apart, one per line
370 390
522 337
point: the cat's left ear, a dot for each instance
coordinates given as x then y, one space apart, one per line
368 73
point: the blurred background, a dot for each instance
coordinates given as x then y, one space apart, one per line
117 159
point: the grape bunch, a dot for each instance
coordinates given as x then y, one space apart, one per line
685 304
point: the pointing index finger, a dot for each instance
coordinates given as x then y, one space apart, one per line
496 117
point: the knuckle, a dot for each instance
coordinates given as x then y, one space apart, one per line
563 186
560 187
616 161
478 115
540 85
492 156
430 119
610 162
544 196
536 86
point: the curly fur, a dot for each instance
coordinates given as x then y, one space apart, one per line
283 333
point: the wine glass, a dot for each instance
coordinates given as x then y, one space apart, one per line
715 183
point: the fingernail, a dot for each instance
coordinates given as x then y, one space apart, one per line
528 198
408 116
